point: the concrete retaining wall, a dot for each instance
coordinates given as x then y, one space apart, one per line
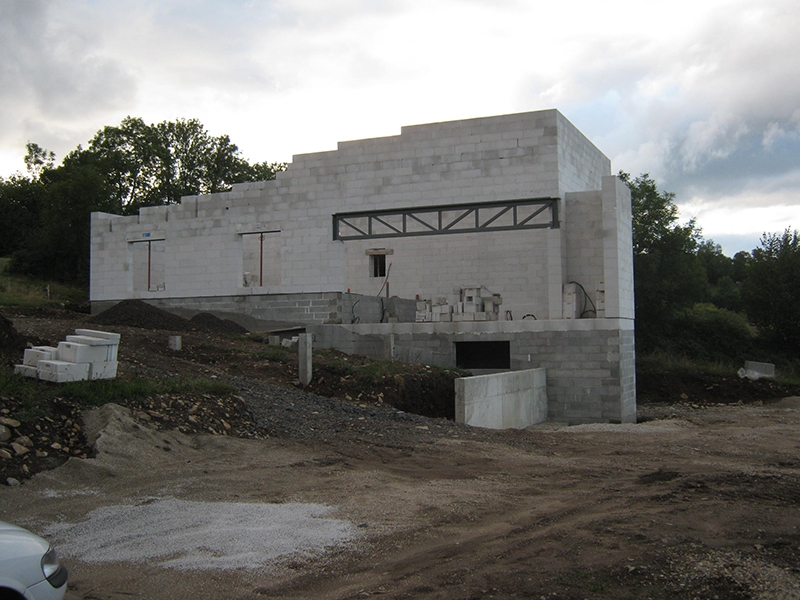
502 400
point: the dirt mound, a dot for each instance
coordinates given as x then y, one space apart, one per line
209 322
12 344
135 313
703 388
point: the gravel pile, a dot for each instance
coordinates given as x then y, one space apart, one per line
209 322
291 413
135 313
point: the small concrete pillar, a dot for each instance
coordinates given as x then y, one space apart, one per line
304 349
274 340
175 342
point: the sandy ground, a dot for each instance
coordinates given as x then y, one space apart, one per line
353 500
703 504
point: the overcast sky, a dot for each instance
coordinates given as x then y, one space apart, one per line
704 95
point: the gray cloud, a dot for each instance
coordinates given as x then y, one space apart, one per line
53 65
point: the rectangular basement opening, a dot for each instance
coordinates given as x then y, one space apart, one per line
483 355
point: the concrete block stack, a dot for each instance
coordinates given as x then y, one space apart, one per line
87 355
475 303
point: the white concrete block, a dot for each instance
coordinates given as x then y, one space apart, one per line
26 371
33 355
103 370
81 353
60 371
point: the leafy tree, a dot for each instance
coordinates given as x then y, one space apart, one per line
130 158
58 247
715 263
265 171
668 275
38 159
741 263
772 289
150 165
21 201
46 215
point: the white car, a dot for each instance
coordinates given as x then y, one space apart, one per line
29 567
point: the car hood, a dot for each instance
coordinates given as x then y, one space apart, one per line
20 554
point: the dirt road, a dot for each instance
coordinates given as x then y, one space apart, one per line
691 503
700 506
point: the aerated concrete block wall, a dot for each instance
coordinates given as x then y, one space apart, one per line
211 245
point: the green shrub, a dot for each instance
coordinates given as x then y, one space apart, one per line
705 332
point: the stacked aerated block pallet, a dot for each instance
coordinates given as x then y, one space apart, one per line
471 304
88 354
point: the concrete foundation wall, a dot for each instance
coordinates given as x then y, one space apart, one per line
590 363
502 400
287 309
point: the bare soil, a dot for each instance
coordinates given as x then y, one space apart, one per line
699 500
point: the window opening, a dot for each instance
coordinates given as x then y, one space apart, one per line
260 258
378 265
483 355
148 265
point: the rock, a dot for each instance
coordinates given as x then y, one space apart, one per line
19 448
12 481
55 446
9 422
5 454
5 433
24 440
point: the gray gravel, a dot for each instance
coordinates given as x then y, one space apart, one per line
284 412
186 535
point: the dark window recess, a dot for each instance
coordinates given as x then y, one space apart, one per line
377 263
483 355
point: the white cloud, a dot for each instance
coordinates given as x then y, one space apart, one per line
703 96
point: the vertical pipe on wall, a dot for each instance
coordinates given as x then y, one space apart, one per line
261 261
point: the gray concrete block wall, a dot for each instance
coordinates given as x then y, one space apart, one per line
581 165
590 363
617 248
584 249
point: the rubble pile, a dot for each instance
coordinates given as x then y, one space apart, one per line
475 303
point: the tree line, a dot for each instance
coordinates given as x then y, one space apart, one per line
46 225
691 299
694 301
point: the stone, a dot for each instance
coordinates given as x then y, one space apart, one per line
24 440
5 454
11 481
19 449
9 422
5 433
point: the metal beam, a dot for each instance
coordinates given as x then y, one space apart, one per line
503 215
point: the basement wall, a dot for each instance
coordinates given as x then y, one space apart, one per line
590 363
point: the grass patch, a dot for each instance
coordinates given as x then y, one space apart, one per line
18 290
275 354
663 362
38 396
787 371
